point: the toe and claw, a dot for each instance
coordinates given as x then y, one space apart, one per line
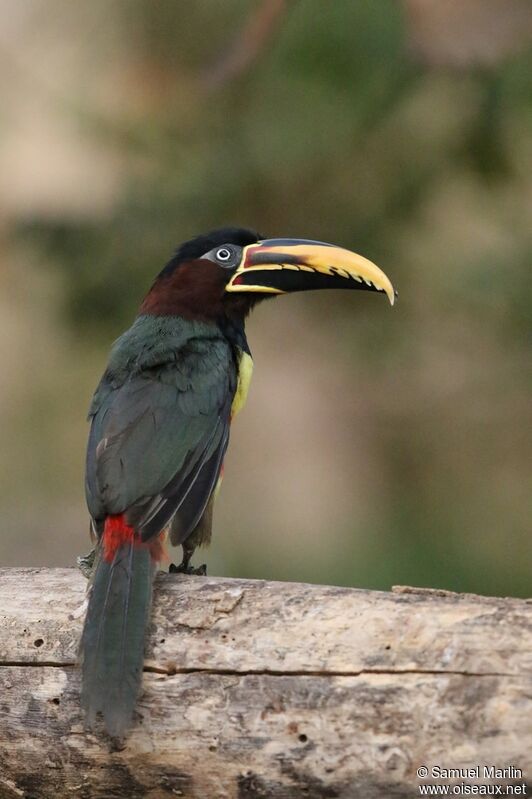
184 568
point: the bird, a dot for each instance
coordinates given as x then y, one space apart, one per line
160 421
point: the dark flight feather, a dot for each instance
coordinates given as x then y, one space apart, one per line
193 504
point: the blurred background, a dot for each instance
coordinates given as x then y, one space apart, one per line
379 446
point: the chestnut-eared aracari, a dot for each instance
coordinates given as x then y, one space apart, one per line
160 422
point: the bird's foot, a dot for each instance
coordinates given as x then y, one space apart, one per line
184 568
85 563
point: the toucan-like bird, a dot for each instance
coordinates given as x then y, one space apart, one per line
160 423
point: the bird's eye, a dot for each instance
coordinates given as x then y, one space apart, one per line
223 254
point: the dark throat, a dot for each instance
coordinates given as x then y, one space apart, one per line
233 321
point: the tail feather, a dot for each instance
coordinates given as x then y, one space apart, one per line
112 645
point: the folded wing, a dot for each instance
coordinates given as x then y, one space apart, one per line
158 438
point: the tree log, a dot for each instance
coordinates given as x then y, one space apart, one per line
264 689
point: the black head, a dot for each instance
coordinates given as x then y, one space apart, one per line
201 245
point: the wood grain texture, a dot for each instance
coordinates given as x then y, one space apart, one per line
262 689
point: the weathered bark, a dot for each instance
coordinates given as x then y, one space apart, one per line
262 689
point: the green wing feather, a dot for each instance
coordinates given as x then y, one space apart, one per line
160 413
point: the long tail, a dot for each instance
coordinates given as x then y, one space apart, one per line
112 645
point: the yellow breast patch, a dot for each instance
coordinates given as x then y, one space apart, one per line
245 371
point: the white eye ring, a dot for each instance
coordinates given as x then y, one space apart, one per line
223 254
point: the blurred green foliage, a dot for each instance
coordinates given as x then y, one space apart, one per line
313 140
335 132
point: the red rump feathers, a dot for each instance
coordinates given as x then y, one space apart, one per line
118 532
